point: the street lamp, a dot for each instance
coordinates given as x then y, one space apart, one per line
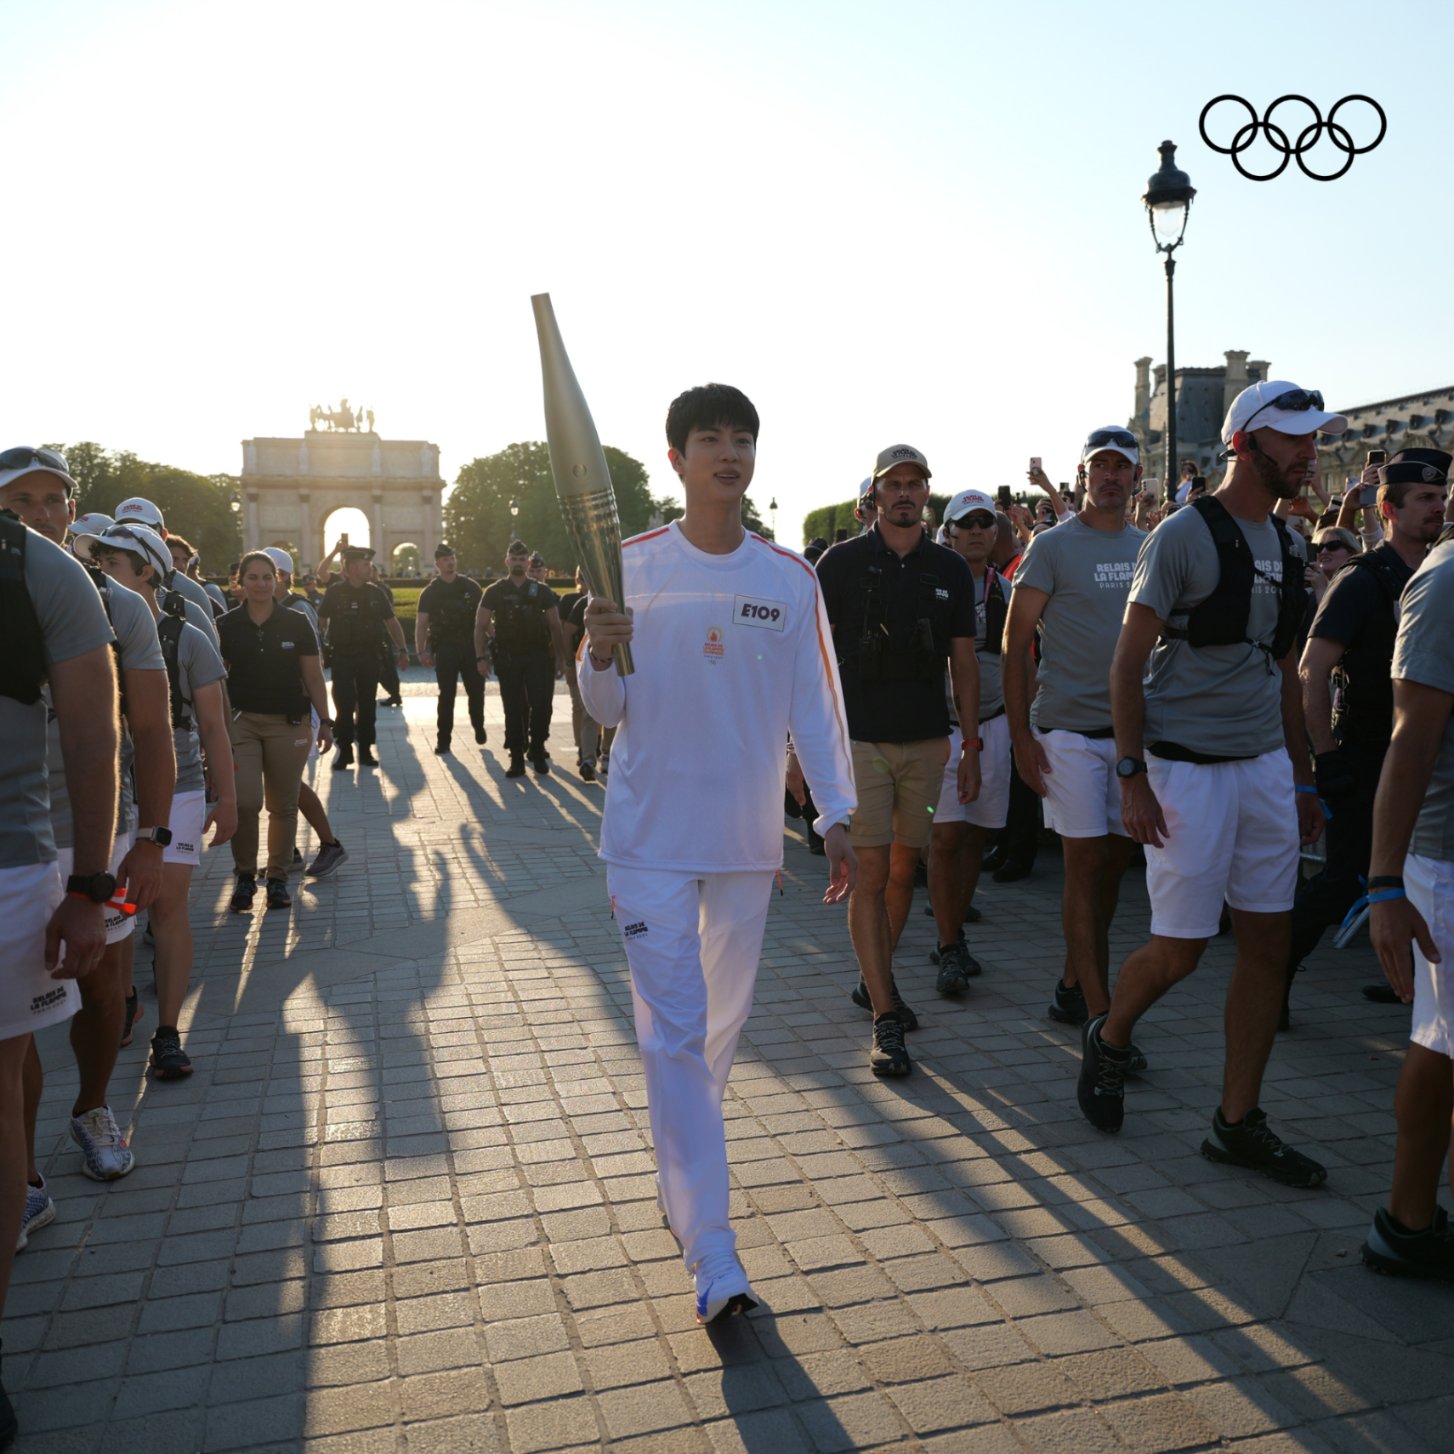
772 513
514 508
1168 201
235 504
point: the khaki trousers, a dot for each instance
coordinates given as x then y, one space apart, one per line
270 753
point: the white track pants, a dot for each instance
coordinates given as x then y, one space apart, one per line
693 942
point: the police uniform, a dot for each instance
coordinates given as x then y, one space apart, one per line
450 607
355 617
522 661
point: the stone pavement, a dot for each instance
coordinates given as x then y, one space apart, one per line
406 1201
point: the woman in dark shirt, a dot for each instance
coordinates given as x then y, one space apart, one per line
273 674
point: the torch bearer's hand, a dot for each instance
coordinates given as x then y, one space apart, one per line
607 627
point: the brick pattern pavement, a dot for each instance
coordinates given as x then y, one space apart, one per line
406 1202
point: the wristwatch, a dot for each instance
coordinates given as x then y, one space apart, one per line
162 837
1130 766
975 742
98 887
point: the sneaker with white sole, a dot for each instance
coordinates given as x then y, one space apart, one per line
722 1289
330 856
40 1211
105 1156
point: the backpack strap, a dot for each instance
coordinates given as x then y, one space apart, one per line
22 641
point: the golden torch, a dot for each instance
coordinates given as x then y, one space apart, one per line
582 481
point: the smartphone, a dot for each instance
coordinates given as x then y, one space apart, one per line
343 539
1368 496
1003 496
1377 456
1034 461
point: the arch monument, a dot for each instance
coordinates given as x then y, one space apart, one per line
289 488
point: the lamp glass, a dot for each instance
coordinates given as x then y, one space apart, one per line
1168 221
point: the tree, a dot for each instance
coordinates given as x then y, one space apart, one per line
477 516
197 507
668 509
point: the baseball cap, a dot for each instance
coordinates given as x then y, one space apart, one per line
1117 441
24 460
900 454
1281 405
92 524
280 558
142 512
132 538
966 502
866 488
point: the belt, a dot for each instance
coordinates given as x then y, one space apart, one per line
1097 734
1175 752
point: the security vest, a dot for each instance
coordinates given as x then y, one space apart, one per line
519 619
354 625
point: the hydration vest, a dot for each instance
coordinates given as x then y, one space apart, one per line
996 611
1222 619
22 642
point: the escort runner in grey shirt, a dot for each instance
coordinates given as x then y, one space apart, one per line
137 650
199 604
74 622
1086 573
1424 653
198 665
1224 701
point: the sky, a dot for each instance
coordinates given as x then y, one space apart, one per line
918 222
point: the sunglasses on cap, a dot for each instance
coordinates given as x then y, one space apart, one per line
1101 438
23 454
1295 400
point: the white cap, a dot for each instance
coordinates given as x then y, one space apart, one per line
280 558
142 512
1113 440
132 538
92 524
36 466
967 501
1255 406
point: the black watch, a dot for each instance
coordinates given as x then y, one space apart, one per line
1130 766
98 887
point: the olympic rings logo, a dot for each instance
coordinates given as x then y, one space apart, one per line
1307 138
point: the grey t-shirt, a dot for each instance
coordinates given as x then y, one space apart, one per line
1424 653
1224 701
199 664
1087 574
137 650
72 622
196 597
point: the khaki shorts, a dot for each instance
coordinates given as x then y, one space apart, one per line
898 785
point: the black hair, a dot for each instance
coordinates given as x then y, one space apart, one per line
709 406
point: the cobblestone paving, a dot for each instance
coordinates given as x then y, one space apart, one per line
406 1201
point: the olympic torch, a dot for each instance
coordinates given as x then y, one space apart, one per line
582 481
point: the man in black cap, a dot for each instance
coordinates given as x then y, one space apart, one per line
525 621
444 639
356 615
1347 688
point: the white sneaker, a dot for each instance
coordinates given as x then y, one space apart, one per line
40 1211
722 1289
105 1154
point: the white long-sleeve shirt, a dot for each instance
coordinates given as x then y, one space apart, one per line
732 653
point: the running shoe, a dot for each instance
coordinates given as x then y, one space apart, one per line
278 896
1068 1004
1392 1248
888 1055
860 997
1255 1145
1101 1089
243 894
587 771
105 1156
40 1211
972 967
722 1289
168 1060
330 856
133 1016
953 971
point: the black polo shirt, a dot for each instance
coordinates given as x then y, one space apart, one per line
264 673
932 583
518 616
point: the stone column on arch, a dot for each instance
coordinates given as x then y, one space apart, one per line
376 530
250 525
431 532
306 546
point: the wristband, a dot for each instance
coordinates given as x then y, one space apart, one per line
975 742
1385 881
1306 788
1386 896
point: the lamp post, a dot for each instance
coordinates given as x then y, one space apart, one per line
772 515
1168 199
514 509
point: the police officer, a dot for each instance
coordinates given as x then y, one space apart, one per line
355 616
899 606
526 623
444 639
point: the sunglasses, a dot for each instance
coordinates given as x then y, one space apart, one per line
1295 400
1325 546
1122 438
23 455
979 519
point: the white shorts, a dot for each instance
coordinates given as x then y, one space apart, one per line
29 998
189 817
1082 792
991 808
1429 883
1232 834
118 925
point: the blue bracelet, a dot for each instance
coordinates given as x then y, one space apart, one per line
1304 788
1384 896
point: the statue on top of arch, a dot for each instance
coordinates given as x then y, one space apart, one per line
341 418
